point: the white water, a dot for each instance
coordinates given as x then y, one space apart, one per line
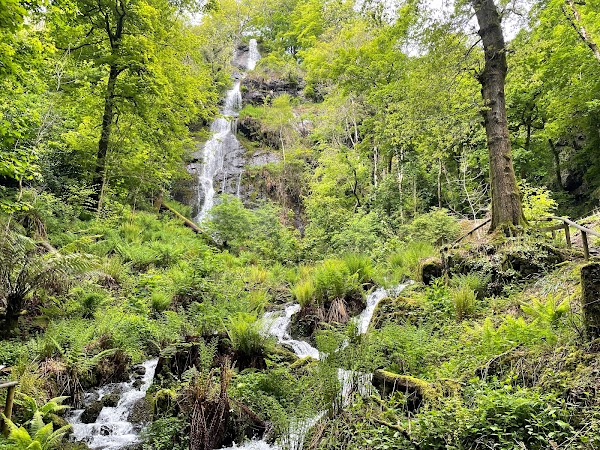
112 430
221 142
279 324
350 381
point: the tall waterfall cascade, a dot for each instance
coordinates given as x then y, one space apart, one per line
220 168
278 325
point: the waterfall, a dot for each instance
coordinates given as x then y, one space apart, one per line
278 325
112 430
222 143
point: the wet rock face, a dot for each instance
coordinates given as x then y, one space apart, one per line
141 412
91 413
111 400
257 91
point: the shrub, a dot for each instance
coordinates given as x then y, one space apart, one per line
360 265
166 434
405 262
463 300
160 301
304 292
435 227
477 282
245 332
332 280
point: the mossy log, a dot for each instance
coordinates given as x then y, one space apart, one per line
590 293
416 390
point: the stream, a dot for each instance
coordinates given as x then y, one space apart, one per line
113 429
278 325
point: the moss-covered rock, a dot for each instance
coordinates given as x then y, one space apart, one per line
416 390
430 269
90 413
141 412
111 399
398 311
164 403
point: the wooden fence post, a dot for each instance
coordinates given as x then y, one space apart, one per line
568 235
586 248
10 398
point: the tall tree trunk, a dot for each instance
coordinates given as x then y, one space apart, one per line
574 19
507 210
107 122
556 155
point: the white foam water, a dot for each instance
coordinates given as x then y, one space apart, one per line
223 141
112 430
278 324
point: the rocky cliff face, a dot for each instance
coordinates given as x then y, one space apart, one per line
258 90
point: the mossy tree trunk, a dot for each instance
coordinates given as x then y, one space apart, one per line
590 292
507 210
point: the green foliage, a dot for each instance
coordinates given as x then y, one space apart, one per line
547 311
160 301
246 334
39 437
463 300
537 202
405 262
166 434
436 227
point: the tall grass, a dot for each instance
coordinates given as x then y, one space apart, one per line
405 262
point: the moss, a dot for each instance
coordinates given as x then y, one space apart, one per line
400 311
417 391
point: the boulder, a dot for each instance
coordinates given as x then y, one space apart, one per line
430 269
90 413
141 412
111 399
398 311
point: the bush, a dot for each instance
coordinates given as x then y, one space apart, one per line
160 301
246 335
166 434
435 227
405 262
463 300
360 265
304 292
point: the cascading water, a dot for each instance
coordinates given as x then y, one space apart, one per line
113 430
217 161
278 325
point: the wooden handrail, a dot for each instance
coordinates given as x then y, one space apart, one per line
448 246
566 223
572 224
10 398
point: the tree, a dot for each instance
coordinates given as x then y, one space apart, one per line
506 201
125 40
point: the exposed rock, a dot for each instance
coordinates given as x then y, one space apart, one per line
139 370
141 412
415 389
590 293
90 413
105 430
111 399
430 269
258 91
137 384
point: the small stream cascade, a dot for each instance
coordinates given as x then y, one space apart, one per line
219 163
278 325
113 430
